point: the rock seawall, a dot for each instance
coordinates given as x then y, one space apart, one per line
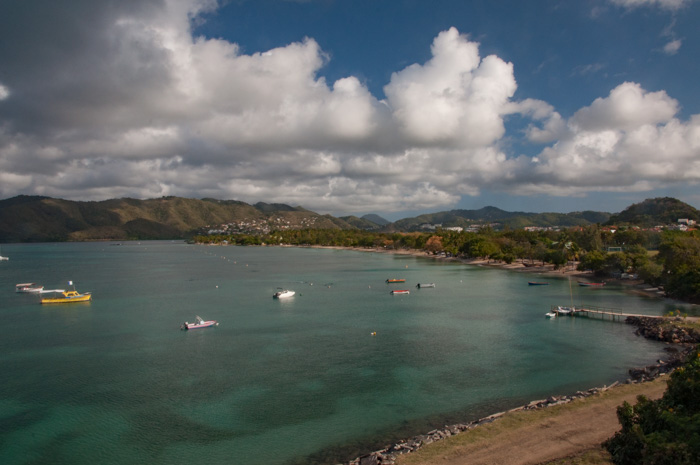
663 330
683 340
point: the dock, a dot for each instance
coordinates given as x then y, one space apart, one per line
593 311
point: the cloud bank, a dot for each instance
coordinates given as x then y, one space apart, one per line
672 5
126 101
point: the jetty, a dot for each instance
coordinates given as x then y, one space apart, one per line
594 311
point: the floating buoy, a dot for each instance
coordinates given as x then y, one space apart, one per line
373 333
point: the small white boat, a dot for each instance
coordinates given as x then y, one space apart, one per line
28 288
283 294
424 285
565 310
199 323
400 291
550 315
3 258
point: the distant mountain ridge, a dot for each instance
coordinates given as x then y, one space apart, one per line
465 218
43 219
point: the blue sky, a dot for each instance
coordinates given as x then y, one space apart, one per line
351 107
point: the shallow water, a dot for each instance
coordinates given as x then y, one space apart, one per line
300 380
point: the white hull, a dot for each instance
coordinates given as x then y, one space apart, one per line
283 294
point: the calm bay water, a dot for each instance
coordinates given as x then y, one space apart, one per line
302 380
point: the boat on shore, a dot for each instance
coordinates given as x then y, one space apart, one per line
424 285
395 280
198 323
29 288
283 294
400 291
537 283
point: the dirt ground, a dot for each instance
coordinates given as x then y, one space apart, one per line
559 436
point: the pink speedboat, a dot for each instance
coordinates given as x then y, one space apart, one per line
199 323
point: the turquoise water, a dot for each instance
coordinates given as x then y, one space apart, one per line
301 380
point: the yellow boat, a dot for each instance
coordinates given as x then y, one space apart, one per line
68 297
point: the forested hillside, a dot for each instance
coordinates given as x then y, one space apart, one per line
37 219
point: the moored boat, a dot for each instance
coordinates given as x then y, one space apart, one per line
283 294
537 283
28 288
395 280
581 283
67 297
550 315
564 310
424 285
3 258
199 323
400 291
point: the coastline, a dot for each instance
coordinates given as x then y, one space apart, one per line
541 432
646 379
519 266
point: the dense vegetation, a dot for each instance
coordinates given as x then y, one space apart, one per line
44 219
664 431
653 212
670 258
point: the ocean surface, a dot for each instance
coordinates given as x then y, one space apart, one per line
338 370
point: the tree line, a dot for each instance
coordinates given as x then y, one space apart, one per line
670 259
664 431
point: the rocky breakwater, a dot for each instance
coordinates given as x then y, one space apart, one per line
389 454
684 340
665 330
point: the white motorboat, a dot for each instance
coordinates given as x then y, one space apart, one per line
283 294
199 323
565 310
28 288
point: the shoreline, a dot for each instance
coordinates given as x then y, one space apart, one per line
638 376
643 378
519 266
440 437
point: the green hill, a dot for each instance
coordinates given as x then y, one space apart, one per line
367 222
41 219
653 212
514 220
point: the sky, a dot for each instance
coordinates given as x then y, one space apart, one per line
349 107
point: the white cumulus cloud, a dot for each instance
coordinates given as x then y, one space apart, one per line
133 104
630 140
672 47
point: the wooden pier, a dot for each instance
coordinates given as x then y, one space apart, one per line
593 311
